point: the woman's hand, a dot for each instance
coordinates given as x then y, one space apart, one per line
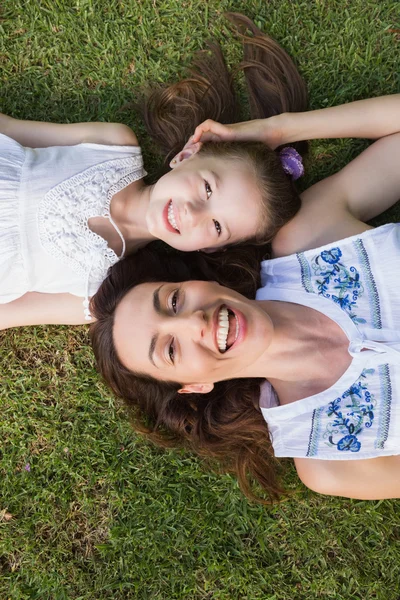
373 119
267 131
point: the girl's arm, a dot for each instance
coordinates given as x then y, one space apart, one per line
373 118
365 479
35 308
37 134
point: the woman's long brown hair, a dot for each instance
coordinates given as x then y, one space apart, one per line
225 424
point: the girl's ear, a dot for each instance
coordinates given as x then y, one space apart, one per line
188 151
196 388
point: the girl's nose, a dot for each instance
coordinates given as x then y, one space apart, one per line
193 214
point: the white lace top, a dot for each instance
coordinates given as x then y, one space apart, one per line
47 196
355 282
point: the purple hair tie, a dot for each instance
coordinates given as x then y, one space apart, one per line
291 162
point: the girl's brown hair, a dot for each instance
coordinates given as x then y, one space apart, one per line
225 424
274 85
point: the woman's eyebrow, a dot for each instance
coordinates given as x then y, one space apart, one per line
156 300
157 309
152 348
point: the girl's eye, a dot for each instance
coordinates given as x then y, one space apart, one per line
217 227
171 352
208 189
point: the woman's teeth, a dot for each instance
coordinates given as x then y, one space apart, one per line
223 328
171 217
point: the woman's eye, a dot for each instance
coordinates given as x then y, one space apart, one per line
217 227
171 352
208 189
174 301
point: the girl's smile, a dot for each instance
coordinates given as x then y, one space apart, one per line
200 204
172 217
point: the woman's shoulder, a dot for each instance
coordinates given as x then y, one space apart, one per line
311 229
366 479
300 240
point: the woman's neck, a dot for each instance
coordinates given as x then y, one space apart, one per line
308 349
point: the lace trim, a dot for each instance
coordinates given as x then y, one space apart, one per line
65 211
114 189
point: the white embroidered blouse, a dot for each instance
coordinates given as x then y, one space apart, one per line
47 196
355 282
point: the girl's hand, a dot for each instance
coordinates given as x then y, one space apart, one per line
267 131
38 134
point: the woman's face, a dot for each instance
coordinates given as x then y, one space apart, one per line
205 203
195 333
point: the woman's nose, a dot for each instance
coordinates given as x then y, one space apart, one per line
194 324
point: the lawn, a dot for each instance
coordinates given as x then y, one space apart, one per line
88 510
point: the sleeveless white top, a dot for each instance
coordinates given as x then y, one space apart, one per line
356 283
47 196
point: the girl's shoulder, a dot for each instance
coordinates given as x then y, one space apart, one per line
110 134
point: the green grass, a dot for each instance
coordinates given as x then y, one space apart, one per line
101 514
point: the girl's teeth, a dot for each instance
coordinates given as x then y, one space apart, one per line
171 217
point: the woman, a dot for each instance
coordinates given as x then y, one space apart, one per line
325 331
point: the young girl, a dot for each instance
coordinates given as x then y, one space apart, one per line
74 201
188 357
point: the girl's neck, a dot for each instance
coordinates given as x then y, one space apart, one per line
128 210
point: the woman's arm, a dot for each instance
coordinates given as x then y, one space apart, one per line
35 308
338 206
365 187
37 134
365 479
373 119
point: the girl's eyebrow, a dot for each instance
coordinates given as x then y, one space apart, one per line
157 309
217 179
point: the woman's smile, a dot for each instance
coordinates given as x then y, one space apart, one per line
230 328
196 331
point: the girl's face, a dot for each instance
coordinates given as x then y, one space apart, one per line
205 203
195 333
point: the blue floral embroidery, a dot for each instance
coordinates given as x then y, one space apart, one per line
337 282
331 256
349 442
351 412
